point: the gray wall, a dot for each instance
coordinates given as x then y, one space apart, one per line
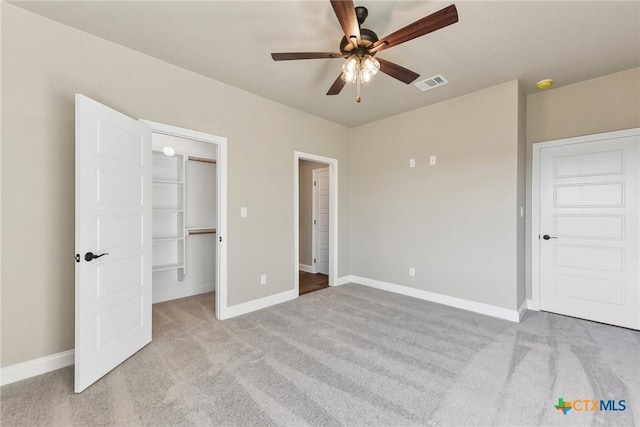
305 173
43 65
603 104
456 223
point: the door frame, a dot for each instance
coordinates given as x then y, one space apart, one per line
535 198
221 202
333 215
314 213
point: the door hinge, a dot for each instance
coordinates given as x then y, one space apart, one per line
314 222
314 183
314 260
220 239
77 257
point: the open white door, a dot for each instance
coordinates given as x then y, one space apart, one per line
113 239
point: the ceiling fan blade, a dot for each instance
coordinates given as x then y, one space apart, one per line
288 56
397 72
426 25
346 13
337 86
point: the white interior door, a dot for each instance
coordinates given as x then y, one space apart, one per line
113 222
321 219
589 230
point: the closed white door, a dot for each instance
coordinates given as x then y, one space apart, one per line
113 239
589 230
321 219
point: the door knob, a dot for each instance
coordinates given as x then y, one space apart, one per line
90 256
547 237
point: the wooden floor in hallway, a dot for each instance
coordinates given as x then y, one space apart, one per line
312 282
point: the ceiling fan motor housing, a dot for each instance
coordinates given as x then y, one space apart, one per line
367 39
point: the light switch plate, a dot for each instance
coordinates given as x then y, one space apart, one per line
263 279
412 163
243 212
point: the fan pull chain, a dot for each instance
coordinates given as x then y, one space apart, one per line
358 99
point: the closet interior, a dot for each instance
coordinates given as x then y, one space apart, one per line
184 217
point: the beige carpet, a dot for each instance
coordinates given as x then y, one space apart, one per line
350 356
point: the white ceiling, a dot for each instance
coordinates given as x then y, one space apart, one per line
493 42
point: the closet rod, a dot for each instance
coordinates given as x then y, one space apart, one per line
201 159
201 232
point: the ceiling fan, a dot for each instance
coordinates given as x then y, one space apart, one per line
360 45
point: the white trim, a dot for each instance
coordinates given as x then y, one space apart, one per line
532 306
522 310
477 307
184 133
535 198
31 368
176 292
315 216
343 280
260 303
333 215
221 227
306 268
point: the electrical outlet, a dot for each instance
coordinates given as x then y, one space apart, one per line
432 160
263 279
412 163
412 271
243 212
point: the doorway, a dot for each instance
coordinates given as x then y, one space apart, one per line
586 227
315 225
162 132
184 217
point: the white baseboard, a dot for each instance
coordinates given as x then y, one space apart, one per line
532 305
174 292
477 307
31 368
521 310
306 268
343 280
258 304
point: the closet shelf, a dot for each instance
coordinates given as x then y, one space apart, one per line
167 181
167 267
167 239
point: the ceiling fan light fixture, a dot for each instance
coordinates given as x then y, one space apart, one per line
364 67
350 69
369 67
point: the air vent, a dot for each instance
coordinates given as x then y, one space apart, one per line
431 82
